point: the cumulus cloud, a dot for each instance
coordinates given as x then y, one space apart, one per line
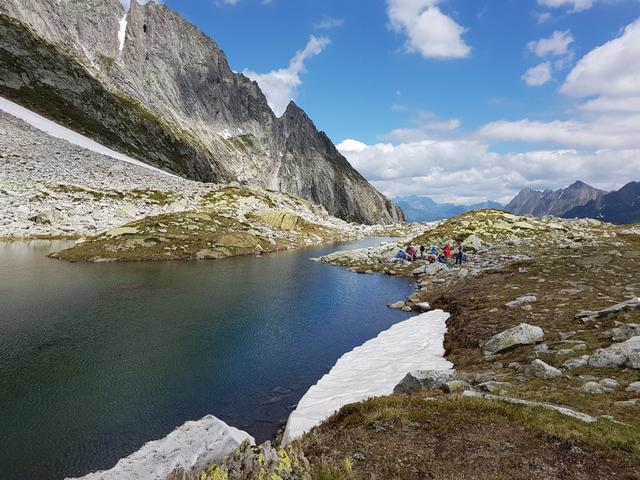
281 86
573 5
538 75
557 44
429 31
599 145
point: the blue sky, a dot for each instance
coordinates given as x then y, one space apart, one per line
433 96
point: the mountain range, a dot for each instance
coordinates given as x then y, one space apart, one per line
620 206
580 200
151 85
424 209
550 202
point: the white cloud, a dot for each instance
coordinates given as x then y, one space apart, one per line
538 75
429 32
611 70
468 171
327 23
573 5
557 44
281 86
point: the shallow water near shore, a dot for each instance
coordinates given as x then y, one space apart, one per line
97 359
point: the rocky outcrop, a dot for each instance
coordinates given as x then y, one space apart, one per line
523 334
191 448
180 108
419 379
549 202
625 354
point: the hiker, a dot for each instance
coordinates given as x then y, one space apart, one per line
411 253
434 251
447 251
460 254
422 252
401 255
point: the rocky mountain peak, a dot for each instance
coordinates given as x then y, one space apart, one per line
550 202
165 94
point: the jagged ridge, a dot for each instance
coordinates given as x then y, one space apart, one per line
180 108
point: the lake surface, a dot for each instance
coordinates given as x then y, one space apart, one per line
97 359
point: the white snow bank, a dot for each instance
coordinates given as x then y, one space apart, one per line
372 370
58 131
192 447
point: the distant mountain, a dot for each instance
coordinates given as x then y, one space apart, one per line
549 202
424 209
621 206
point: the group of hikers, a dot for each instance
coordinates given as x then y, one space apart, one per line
411 254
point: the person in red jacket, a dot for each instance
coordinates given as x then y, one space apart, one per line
447 251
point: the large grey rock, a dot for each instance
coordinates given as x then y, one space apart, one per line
191 448
47 217
521 301
594 388
540 369
424 379
523 334
633 387
576 362
625 332
430 269
169 97
625 354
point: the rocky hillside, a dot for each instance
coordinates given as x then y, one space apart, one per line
549 202
621 206
127 80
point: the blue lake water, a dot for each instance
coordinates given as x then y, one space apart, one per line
97 359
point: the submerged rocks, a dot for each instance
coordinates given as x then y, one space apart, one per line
190 448
424 379
523 334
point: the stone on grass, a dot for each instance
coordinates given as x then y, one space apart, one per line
523 334
576 362
523 300
594 388
542 370
625 354
423 307
609 383
625 332
424 379
628 403
634 387
494 387
455 386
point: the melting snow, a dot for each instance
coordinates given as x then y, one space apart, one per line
122 33
58 131
373 370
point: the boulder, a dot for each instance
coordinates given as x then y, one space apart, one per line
609 383
424 379
540 369
625 332
625 354
423 306
430 269
594 388
47 217
576 362
396 305
494 387
473 243
634 387
455 386
523 334
122 231
519 302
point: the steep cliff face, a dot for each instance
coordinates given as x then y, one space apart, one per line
125 76
549 202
